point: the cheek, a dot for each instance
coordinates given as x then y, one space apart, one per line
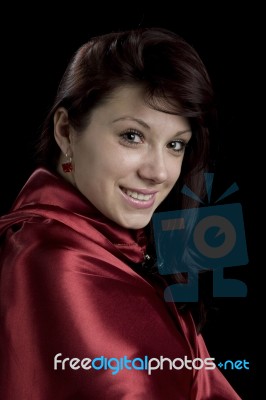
120 163
102 163
174 171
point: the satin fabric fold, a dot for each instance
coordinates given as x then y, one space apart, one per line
68 286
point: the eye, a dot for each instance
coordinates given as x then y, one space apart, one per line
177 145
132 137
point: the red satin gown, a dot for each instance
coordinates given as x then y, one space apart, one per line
68 291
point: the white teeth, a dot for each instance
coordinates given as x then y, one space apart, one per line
138 196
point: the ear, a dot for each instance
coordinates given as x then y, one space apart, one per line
62 129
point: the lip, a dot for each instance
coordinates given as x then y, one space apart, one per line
141 191
139 204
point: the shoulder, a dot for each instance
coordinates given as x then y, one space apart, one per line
53 247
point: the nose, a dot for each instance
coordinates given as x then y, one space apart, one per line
154 167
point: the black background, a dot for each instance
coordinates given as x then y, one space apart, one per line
37 43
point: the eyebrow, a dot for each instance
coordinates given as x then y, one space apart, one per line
139 121
142 123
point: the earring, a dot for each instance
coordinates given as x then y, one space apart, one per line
67 166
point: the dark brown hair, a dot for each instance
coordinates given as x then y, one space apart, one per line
173 76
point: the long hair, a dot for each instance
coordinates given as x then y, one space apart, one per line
171 72
174 80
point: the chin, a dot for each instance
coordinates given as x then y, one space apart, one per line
135 224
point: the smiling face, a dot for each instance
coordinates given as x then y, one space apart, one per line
128 157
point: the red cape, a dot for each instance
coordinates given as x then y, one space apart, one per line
68 286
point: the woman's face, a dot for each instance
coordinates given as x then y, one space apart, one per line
128 158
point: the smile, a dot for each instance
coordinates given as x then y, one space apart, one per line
136 195
141 198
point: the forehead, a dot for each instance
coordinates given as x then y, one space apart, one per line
127 96
130 101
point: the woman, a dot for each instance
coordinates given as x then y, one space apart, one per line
82 309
